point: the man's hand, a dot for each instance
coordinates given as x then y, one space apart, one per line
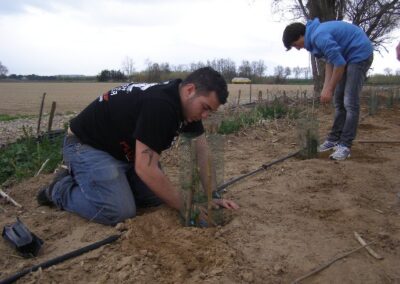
203 217
226 203
326 95
333 75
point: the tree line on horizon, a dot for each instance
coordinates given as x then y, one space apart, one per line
253 70
158 72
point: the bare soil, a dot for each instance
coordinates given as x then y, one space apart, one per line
25 98
294 217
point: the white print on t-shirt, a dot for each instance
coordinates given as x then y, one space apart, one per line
128 88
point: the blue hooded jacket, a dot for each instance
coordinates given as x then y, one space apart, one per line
338 42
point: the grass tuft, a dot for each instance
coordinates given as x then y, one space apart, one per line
7 117
24 158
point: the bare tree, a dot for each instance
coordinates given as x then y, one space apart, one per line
226 67
194 66
378 18
153 72
3 70
288 72
306 71
388 71
281 73
128 67
258 68
179 68
296 72
245 69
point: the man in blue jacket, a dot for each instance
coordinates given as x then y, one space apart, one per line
348 54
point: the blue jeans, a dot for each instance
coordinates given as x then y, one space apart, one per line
100 187
347 103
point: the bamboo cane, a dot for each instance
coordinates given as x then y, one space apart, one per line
370 250
9 199
209 192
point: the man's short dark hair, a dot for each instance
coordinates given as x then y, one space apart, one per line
292 33
207 79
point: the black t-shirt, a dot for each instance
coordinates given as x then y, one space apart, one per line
150 113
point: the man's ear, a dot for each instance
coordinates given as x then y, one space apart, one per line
191 88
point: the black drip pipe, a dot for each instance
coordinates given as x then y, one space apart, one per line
222 187
59 259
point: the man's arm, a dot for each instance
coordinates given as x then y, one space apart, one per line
203 154
333 75
146 167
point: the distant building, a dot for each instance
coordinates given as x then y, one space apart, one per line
239 80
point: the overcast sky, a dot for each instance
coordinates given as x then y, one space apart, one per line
47 37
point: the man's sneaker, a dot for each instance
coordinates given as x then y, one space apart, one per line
43 197
327 145
342 153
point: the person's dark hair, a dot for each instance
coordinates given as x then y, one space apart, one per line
292 33
207 80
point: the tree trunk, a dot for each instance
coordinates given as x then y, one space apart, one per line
325 11
318 70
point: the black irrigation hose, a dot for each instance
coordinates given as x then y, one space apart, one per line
59 259
263 167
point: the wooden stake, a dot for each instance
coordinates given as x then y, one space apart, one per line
275 119
40 114
209 192
53 109
9 199
192 177
188 208
238 100
370 250
250 94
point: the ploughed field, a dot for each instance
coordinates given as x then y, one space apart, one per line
294 217
25 98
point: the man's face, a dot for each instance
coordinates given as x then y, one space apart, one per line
299 44
198 106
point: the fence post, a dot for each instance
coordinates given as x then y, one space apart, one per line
53 109
40 114
250 92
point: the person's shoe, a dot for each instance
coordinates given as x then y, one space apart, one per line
43 197
327 145
342 153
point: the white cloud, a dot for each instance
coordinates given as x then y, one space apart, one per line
84 37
